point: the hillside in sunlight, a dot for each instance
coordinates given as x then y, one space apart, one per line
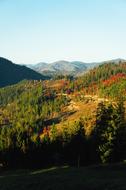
69 121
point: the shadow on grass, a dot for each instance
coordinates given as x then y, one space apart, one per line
24 172
107 177
58 119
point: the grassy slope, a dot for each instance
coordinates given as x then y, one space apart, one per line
111 177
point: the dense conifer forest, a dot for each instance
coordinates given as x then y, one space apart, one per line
74 121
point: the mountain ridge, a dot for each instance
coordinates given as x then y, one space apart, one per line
11 73
68 67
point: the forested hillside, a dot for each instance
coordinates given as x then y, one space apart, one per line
11 73
65 121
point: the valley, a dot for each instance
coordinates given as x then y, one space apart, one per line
75 121
62 95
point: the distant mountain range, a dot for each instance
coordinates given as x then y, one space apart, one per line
11 73
59 67
66 67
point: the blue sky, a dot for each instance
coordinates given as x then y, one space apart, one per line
32 31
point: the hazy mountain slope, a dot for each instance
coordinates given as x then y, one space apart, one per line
66 67
39 66
59 67
11 73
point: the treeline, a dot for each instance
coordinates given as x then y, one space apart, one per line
25 110
107 80
103 72
27 142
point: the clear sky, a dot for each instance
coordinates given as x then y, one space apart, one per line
32 31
